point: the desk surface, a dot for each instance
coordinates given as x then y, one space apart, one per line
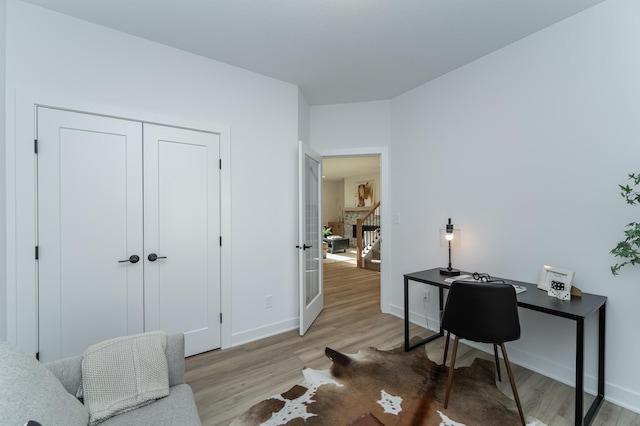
533 298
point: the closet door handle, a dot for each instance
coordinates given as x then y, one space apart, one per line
153 257
133 259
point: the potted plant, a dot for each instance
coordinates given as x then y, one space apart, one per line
326 231
629 249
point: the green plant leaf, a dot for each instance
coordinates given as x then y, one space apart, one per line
628 249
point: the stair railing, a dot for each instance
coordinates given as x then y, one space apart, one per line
367 233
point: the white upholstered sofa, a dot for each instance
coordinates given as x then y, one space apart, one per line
46 393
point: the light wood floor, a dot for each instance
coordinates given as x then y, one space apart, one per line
226 383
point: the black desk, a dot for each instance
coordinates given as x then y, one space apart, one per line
577 309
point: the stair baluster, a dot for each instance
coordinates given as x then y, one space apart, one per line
367 234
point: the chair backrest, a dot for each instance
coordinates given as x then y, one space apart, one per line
482 312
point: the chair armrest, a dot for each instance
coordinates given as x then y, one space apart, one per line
175 358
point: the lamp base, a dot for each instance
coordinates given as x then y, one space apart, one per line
451 272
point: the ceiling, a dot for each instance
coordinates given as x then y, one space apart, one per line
338 168
336 51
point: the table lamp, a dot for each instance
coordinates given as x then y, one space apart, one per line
448 236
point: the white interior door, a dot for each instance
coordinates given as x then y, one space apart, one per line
98 210
182 228
310 236
89 224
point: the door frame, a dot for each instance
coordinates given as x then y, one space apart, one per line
385 223
21 224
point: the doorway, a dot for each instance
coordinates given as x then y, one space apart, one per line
343 204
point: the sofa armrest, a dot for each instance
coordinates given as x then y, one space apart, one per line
68 371
175 358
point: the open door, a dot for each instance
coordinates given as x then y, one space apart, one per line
309 236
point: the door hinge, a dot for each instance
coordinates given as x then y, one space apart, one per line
220 163
38 356
220 317
221 241
35 146
37 253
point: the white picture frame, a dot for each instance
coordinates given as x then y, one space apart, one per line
550 273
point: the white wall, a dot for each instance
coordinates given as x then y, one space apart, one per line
524 150
331 205
52 53
349 126
303 118
3 239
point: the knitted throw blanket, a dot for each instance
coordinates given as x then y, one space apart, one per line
122 374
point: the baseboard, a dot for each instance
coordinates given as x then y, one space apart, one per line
264 331
623 397
563 374
415 318
532 362
613 393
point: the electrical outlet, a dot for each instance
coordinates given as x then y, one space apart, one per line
426 296
268 302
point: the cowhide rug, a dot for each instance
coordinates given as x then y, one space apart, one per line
397 387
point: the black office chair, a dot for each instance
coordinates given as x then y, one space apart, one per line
482 312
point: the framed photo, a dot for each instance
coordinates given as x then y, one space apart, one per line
551 278
364 194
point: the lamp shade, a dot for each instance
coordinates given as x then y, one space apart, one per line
455 241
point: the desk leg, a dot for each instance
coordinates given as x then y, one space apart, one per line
407 346
441 299
579 371
595 405
406 314
601 327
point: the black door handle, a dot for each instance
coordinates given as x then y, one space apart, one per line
304 247
153 257
133 259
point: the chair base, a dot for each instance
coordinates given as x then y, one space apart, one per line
495 353
506 362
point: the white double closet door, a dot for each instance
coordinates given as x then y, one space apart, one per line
128 232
